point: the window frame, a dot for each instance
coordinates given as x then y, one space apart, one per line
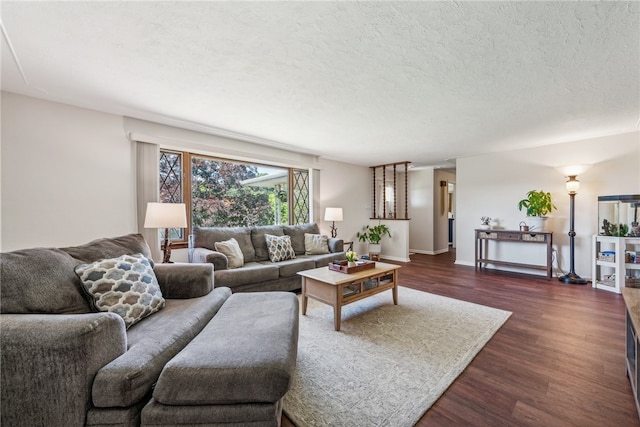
186 162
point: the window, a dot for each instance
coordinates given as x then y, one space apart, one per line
226 193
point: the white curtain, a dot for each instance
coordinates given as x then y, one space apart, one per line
148 190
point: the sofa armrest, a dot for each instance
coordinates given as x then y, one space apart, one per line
218 259
182 280
335 245
49 361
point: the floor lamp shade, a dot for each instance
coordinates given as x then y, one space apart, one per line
166 215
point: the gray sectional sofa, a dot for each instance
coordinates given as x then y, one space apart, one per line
258 272
64 364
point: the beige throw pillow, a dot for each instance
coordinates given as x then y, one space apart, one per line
231 249
315 244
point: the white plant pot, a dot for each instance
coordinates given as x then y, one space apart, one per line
375 248
537 223
484 226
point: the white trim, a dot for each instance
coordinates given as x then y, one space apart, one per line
395 258
438 252
215 145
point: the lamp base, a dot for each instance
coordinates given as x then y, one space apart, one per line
572 279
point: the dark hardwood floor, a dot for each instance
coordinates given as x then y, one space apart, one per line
557 361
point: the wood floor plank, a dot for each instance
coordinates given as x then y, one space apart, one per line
558 361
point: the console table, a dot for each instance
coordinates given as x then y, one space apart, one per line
484 236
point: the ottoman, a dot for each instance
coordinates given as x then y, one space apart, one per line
236 371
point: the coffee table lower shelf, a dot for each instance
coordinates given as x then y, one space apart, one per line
339 289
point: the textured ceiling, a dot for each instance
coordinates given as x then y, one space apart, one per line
366 83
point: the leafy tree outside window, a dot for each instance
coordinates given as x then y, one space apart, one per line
225 193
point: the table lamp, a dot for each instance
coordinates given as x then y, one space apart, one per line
333 215
166 215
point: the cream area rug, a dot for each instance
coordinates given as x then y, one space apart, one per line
388 364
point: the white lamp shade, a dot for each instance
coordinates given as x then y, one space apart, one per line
572 185
165 215
333 214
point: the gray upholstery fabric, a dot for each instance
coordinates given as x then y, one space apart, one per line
121 417
259 241
40 280
152 343
48 364
206 237
252 272
222 365
297 235
111 248
183 280
336 245
290 267
261 276
292 283
238 415
324 260
219 260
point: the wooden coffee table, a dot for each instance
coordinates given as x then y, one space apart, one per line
338 289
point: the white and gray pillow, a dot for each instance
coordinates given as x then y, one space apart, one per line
125 285
279 247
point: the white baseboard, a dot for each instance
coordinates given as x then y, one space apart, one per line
420 251
394 258
468 263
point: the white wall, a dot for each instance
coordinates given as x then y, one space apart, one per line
348 187
67 175
492 184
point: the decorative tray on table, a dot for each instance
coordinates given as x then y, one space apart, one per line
343 267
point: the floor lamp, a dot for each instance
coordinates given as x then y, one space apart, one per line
571 277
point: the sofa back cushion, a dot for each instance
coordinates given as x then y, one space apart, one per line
111 248
206 237
40 280
297 235
259 241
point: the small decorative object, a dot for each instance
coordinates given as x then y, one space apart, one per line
609 229
351 258
485 223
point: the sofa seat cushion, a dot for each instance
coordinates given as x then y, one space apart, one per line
41 281
246 354
206 237
151 344
290 267
251 272
324 260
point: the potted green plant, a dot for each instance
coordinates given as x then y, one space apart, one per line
537 204
485 220
373 235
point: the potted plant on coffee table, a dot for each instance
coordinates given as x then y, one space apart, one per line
537 204
373 235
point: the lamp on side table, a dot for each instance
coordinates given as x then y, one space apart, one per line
166 215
